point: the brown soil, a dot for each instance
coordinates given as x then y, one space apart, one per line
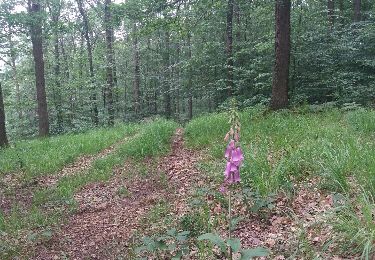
106 221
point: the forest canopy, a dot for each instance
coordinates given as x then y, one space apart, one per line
109 61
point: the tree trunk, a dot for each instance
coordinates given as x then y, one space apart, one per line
3 134
57 70
167 90
190 81
137 78
229 48
341 8
95 112
15 76
178 86
110 60
36 40
357 10
331 13
279 97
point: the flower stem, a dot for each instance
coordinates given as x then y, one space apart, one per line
230 222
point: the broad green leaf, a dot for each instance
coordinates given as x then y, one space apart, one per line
172 232
161 245
140 249
47 234
182 236
234 222
177 256
214 239
248 254
235 244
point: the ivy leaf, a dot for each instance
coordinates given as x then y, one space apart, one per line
248 254
235 244
214 239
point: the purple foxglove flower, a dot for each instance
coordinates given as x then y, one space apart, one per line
228 170
234 158
237 156
228 152
236 176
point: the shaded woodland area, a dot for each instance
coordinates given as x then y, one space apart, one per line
187 129
71 65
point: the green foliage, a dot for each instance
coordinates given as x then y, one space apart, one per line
248 254
331 145
59 199
173 243
45 156
256 203
235 245
356 226
154 140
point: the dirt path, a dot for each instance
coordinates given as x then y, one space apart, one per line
110 212
23 194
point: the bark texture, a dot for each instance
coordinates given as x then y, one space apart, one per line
37 45
331 13
279 97
167 90
229 47
137 76
3 134
109 37
357 10
86 34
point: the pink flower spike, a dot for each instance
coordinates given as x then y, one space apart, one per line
227 170
237 157
228 152
236 176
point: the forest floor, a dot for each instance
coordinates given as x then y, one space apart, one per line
103 206
110 213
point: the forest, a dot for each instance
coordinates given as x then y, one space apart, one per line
187 129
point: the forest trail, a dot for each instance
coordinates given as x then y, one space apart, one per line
110 213
82 164
23 194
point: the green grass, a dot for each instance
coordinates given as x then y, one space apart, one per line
334 146
282 146
44 156
152 139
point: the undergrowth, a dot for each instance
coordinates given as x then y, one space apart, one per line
333 146
51 205
44 156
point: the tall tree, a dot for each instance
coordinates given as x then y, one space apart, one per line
37 44
331 13
86 34
190 80
110 60
229 47
3 134
137 75
357 10
55 10
167 87
279 97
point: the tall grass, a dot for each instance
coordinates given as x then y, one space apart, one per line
333 146
44 156
152 139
